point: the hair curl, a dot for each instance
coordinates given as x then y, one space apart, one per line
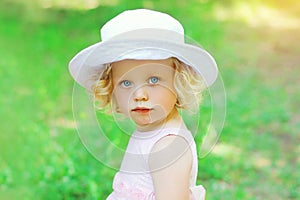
103 87
188 84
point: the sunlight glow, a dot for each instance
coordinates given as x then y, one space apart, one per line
76 4
257 15
226 150
260 161
64 123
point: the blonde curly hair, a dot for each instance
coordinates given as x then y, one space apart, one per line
188 84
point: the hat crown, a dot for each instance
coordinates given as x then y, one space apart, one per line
132 20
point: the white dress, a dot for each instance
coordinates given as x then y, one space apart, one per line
133 181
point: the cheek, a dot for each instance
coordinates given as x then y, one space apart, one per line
165 98
122 100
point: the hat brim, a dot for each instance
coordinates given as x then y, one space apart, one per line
93 58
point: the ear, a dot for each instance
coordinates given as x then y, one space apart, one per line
117 109
178 104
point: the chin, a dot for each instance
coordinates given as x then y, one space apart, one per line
155 123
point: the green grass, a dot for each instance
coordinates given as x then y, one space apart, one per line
42 157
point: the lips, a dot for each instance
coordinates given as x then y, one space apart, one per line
141 110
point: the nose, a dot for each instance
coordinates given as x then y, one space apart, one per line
140 94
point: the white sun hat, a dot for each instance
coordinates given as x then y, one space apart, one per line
141 34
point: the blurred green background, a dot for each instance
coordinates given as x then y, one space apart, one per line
256 45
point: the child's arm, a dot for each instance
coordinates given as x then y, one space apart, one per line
170 163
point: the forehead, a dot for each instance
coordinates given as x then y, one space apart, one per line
139 67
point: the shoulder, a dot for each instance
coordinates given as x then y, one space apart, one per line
170 141
170 163
169 150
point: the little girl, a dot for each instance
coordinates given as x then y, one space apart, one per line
144 70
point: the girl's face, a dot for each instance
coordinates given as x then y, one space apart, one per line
144 91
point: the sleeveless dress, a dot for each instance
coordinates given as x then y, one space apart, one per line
134 182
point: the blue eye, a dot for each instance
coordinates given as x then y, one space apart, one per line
126 83
153 80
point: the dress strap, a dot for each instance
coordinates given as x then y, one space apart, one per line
198 192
